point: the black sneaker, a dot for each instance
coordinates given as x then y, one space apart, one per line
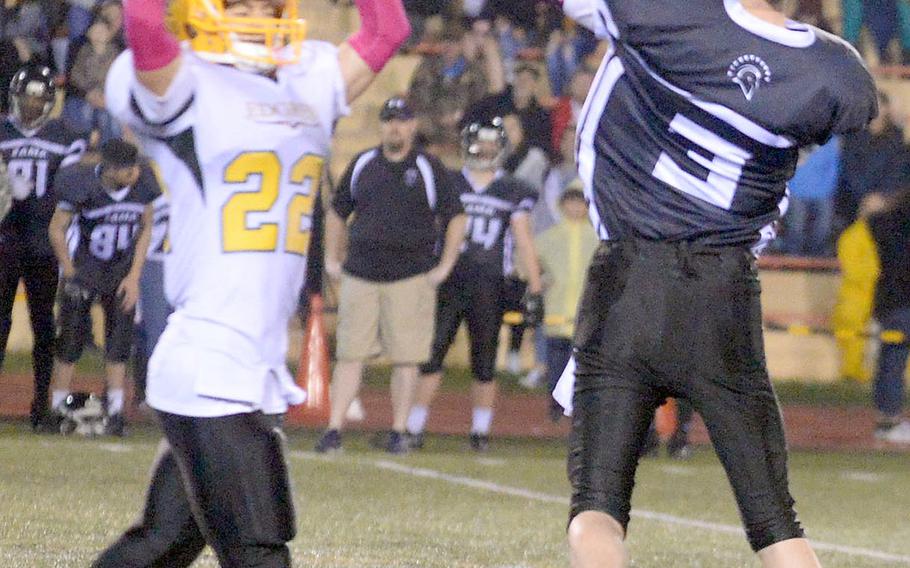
480 442
415 441
398 443
115 425
329 442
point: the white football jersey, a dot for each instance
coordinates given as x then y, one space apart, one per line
242 156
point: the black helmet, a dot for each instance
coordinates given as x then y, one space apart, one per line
33 81
477 132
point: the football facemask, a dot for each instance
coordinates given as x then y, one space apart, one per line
250 43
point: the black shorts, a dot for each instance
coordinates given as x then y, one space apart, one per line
236 480
659 320
71 325
478 300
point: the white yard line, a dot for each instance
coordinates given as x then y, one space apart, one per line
492 487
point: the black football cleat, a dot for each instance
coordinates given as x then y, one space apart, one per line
480 442
115 425
397 443
415 441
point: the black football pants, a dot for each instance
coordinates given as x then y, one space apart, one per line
221 481
40 275
659 320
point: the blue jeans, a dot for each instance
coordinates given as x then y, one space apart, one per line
154 310
892 361
809 223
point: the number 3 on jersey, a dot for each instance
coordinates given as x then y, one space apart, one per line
237 233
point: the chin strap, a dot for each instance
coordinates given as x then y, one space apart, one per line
153 45
384 27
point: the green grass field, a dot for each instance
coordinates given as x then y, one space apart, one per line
64 498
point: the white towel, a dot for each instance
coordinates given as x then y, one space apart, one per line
566 387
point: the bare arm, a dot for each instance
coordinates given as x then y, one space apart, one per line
383 28
156 53
335 239
527 252
128 290
142 243
451 249
57 233
496 72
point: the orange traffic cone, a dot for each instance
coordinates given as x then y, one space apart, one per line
665 419
313 374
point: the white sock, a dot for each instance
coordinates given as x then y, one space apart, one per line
481 420
57 398
115 401
417 419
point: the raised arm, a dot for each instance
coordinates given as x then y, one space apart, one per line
156 53
527 252
383 29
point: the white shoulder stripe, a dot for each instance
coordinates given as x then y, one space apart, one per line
362 162
606 79
429 180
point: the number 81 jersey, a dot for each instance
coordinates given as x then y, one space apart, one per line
242 156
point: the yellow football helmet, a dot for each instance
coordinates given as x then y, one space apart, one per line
250 43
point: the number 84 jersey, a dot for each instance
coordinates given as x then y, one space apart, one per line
241 155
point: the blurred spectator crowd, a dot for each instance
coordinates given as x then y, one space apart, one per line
78 40
519 59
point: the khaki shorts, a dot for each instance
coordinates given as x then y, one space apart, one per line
394 318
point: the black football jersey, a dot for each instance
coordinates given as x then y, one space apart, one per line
692 127
35 157
487 247
107 223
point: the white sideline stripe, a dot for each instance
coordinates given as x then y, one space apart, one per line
642 514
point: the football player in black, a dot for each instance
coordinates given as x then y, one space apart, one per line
685 145
34 147
498 207
111 208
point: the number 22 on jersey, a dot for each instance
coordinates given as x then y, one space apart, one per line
237 233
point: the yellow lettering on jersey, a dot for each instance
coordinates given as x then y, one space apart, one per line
308 173
237 236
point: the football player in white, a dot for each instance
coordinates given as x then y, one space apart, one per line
237 109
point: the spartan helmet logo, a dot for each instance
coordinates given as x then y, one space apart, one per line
749 72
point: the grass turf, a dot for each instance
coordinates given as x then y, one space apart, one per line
65 498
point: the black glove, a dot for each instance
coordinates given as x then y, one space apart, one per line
532 309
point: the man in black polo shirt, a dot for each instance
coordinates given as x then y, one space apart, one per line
400 197
110 206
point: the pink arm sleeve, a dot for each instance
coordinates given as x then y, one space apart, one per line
152 44
384 27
